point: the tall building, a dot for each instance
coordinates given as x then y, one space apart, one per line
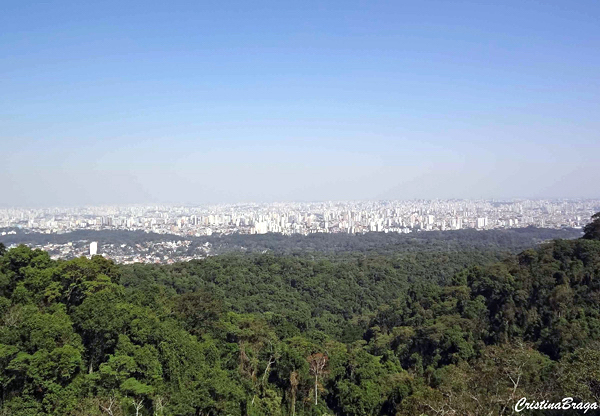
261 227
93 248
482 222
456 223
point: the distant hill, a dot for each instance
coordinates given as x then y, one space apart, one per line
512 240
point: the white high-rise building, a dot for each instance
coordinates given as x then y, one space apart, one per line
261 227
93 248
482 222
456 223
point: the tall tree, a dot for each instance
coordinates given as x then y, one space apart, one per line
318 365
592 230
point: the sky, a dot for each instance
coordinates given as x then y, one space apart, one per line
127 102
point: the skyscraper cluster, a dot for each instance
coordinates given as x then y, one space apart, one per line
306 217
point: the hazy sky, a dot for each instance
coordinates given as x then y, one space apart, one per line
226 101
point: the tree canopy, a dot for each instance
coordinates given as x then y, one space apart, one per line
431 333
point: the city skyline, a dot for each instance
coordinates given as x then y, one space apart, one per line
307 217
181 229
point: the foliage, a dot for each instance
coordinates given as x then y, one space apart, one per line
428 332
592 230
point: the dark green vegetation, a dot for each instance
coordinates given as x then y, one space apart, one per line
426 332
592 230
511 240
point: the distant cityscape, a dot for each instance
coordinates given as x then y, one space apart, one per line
351 217
305 218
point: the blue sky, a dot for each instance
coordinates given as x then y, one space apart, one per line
132 102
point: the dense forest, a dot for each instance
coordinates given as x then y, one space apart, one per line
425 332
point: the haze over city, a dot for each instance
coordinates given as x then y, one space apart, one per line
200 102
